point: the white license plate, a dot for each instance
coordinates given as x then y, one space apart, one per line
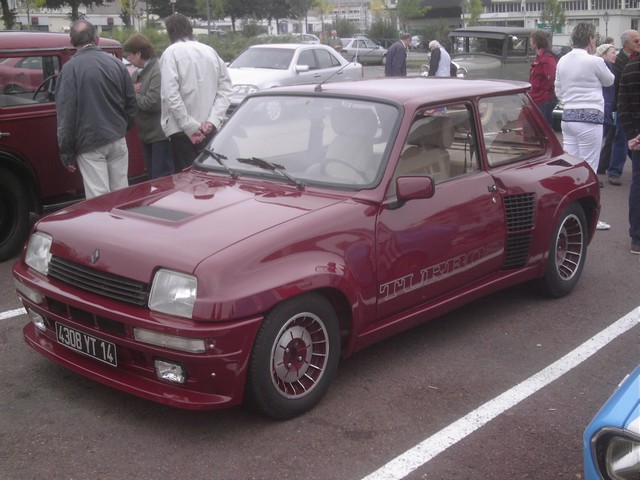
87 344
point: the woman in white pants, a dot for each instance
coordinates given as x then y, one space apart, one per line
580 76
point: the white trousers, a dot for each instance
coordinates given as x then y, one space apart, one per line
583 140
105 168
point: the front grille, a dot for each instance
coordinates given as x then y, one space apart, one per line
99 282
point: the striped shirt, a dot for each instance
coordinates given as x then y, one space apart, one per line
629 98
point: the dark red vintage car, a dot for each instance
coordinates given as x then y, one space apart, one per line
32 177
320 220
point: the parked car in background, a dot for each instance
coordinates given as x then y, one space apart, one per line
32 177
363 50
492 52
560 50
273 65
361 210
308 38
611 442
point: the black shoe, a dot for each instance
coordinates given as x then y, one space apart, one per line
601 184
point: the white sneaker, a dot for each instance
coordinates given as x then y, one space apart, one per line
602 225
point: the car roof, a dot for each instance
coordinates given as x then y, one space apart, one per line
407 90
290 46
501 30
11 40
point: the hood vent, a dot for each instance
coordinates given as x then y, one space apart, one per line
161 213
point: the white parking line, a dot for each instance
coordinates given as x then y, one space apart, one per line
12 313
412 459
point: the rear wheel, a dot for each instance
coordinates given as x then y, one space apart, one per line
294 358
567 253
14 214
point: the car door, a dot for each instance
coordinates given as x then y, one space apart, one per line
320 66
427 249
25 116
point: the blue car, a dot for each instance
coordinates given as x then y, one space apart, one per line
611 442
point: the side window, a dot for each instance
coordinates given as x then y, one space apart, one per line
441 144
27 80
307 58
509 131
517 46
326 59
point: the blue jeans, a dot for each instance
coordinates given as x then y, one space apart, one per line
634 199
546 108
158 158
619 149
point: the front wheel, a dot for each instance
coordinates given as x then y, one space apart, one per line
294 358
567 253
14 214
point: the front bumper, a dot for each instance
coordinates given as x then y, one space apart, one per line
215 378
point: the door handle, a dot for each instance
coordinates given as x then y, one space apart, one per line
492 188
4 134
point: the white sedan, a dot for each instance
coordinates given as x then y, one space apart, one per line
274 65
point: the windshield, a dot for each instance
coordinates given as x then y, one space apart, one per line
275 58
306 139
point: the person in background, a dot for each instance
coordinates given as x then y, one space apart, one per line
334 40
194 93
608 52
629 119
440 62
543 75
156 147
580 76
630 41
95 106
396 65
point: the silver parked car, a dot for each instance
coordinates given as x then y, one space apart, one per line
274 65
363 50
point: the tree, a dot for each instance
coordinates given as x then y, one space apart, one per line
74 4
8 15
408 9
473 9
553 15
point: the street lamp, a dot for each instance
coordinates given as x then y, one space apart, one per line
606 23
173 5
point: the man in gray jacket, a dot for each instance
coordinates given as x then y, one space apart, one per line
96 105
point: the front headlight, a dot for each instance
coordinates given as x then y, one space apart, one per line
618 454
38 252
244 89
173 293
461 72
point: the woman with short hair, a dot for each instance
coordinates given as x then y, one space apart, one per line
156 147
580 76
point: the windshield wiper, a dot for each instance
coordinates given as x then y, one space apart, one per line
218 157
274 167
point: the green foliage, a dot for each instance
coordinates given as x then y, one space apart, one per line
344 27
383 29
553 15
8 15
409 9
473 9
438 30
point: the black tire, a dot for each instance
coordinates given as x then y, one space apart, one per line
14 214
294 358
567 253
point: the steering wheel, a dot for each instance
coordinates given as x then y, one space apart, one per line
49 83
351 166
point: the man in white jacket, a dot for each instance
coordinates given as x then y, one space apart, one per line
195 91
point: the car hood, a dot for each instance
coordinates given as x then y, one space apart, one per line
176 222
260 77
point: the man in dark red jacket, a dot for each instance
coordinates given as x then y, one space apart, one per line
543 75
